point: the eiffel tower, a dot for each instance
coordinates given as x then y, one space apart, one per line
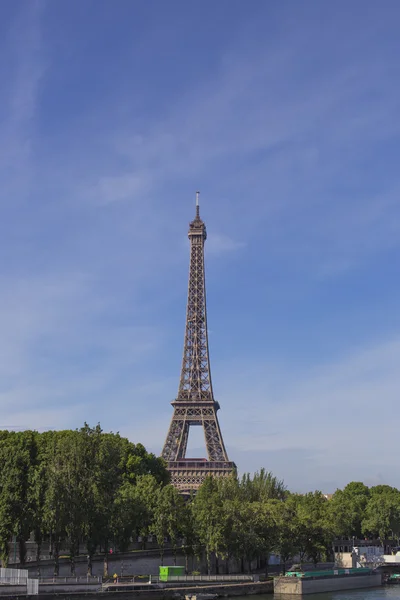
195 404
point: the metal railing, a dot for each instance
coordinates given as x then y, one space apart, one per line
19 578
13 576
177 578
32 587
71 579
145 580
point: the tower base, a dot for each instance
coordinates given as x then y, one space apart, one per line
188 474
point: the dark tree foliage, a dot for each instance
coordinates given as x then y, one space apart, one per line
74 488
94 490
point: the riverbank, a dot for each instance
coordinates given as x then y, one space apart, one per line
165 593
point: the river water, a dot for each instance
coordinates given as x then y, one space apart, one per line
388 592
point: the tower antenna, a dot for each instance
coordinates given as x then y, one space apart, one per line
197 205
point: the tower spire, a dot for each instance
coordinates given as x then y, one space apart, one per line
197 205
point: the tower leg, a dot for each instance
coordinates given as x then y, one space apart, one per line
188 474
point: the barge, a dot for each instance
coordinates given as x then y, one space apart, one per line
327 580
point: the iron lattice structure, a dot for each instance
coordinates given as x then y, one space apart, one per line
195 404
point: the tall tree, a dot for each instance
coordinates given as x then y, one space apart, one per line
38 487
240 529
91 440
382 515
55 508
190 539
287 529
134 509
76 482
7 490
159 526
210 519
312 533
266 517
263 486
355 497
18 456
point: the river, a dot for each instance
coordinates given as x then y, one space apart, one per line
389 592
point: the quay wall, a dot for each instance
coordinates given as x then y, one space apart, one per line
235 589
67 588
297 586
147 562
129 564
143 562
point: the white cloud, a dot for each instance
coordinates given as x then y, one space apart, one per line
220 244
279 155
61 359
23 50
112 189
340 414
285 150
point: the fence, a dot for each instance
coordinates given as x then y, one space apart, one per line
32 586
71 579
142 579
178 578
19 577
13 576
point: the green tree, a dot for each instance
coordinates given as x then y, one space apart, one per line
134 509
38 487
176 513
55 509
190 539
108 476
18 456
263 486
343 518
73 449
286 530
168 515
313 534
239 530
7 492
383 489
159 526
91 438
139 462
267 520
74 486
210 521
382 515
146 492
356 496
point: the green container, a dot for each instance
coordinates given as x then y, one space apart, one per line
168 573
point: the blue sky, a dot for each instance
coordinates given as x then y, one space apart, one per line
286 116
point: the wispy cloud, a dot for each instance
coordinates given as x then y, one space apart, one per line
22 69
56 361
298 161
333 412
219 244
126 187
292 138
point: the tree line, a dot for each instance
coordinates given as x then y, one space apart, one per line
252 517
97 489
74 487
